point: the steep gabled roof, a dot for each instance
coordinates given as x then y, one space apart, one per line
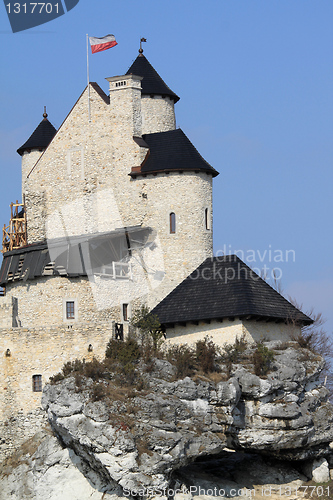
171 151
40 138
152 83
225 287
100 92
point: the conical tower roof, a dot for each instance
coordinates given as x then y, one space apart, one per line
41 137
152 83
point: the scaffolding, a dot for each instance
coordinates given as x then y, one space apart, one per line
15 235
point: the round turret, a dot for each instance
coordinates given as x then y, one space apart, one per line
157 99
33 148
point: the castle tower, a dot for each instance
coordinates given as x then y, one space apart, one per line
157 99
122 202
34 147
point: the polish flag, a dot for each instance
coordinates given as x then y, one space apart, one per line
104 43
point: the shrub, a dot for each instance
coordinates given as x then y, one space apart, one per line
94 369
262 359
125 352
206 352
73 366
149 327
232 353
56 378
183 358
113 349
98 392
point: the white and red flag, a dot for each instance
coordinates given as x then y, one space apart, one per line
100 44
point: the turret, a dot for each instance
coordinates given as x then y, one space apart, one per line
157 99
34 147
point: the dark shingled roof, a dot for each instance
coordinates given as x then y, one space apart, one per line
171 151
152 83
225 287
40 138
71 257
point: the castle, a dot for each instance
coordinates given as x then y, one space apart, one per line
116 211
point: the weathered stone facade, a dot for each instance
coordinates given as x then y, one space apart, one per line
80 185
226 331
27 352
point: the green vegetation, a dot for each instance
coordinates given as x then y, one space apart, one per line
233 353
262 359
127 363
149 329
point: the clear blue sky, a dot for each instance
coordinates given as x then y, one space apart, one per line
255 80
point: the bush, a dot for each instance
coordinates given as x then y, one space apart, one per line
262 359
73 366
149 327
125 352
183 358
94 369
56 378
233 352
98 392
206 352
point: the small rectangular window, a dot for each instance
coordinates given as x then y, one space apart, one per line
37 385
207 219
172 223
70 310
125 312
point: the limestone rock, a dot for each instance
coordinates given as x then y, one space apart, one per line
141 440
50 472
317 470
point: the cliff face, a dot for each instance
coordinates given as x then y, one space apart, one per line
137 439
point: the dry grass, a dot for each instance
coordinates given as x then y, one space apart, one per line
24 452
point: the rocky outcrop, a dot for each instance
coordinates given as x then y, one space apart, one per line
138 439
288 414
107 441
44 470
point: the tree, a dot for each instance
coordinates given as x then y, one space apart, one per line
149 327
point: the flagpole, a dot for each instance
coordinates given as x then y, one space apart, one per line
89 118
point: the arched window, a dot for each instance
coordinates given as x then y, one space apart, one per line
207 219
37 385
172 223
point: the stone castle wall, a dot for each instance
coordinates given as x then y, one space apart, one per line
191 243
158 114
38 351
7 312
29 159
81 184
41 302
225 332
